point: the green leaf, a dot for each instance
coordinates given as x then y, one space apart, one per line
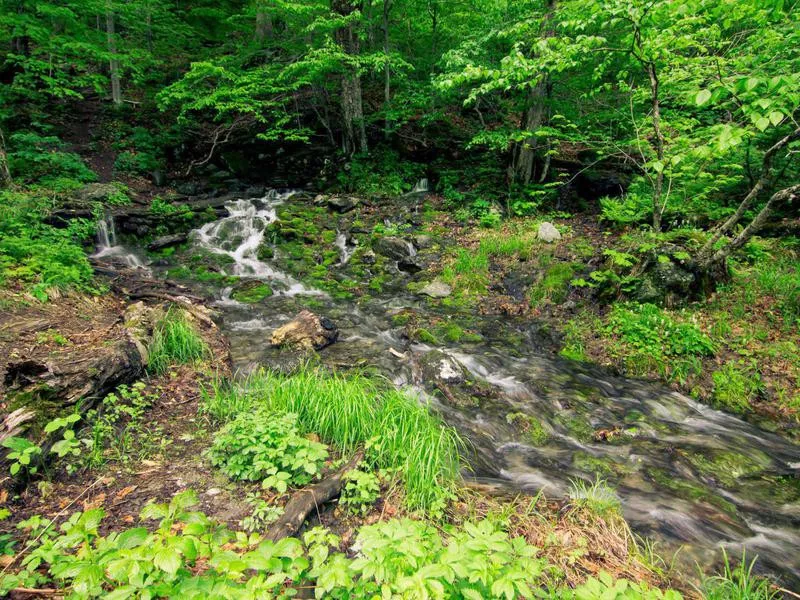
167 560
762 123
132 538
775 117
702 97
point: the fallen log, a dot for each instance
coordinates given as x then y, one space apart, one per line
305 501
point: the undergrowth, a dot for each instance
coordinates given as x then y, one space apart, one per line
175 341
350 411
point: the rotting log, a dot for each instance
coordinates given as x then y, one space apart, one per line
309 499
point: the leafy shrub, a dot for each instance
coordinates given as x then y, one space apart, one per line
41 256
630 209
267 446
649 329
361 490
175 340
42 159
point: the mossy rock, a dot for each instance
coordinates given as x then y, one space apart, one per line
728 468
530 427
252 292
600 466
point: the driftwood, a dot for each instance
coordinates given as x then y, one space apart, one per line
305 501
13 423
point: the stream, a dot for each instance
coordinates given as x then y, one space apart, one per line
686 475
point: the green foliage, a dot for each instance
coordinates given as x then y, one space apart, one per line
175 341
350 411
596 497
736 385
382 173
35 158
22 456
179 553
361 490
44 258
267 446
630 209
261 515
648 329
120 429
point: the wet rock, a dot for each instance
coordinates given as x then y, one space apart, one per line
548 233
409 265
251 292
439 367
436 289
255 191
394 248
342 204
368 257
306 330
189 188
167 240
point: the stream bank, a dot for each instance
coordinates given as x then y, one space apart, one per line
686 474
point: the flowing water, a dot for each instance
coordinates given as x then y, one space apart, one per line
110 251
685 473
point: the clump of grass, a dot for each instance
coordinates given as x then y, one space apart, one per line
506 245
352 411
735 387
554 285
737 583
175 341
596 497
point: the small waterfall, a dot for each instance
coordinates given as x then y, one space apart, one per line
344 252
239 236
109 251
421 187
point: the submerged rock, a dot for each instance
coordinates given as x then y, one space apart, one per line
436 289
548 233
306 330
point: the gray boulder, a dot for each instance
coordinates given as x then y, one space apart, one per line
436 289
548 233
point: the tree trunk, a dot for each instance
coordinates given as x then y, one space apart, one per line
354 137
116 92
785 195
387 7
523 155
264 29
5 173
763 181
658 187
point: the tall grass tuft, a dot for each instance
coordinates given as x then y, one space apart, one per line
738 583
596 497
350 411
175 341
